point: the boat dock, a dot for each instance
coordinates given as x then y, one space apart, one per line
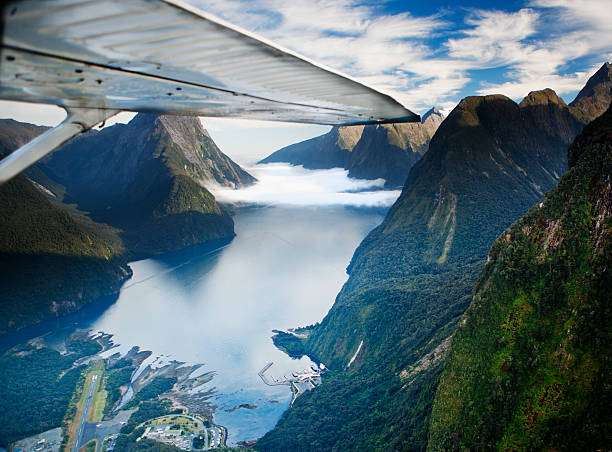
299 382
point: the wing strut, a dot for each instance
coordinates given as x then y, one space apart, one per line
77 121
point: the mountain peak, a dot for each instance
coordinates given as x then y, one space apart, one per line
188 148
548 393
593 100
542 97
596 133
471 103
468 110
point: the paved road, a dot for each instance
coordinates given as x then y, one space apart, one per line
92 388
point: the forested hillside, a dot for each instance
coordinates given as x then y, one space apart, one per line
148 179
71 223
529 366
412 277
49 264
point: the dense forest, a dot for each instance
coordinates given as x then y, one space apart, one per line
49 264
36 386
529 367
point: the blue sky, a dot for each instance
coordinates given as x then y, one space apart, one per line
424 53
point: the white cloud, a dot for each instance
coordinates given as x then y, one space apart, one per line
495 38
283 184
588 15
561 84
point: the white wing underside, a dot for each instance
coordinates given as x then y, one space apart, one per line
98 57
165 56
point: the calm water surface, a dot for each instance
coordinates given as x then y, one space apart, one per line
283 270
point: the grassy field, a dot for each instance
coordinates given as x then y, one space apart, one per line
90 446
99 398
186 424
172 420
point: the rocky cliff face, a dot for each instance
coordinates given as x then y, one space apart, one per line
383 151
148 178
331 150
111 159
486 165
528 366
390 150
412 277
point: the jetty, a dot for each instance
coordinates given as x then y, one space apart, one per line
299 382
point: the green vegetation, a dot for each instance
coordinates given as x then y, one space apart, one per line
412 277
116 376
77 403
290 344
55 257
156 387
529 367
51 265
128 443
153 193
199 442
36 386
90 446
99 397
149 409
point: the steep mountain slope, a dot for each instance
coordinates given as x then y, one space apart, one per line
529 367
412 277
148 177
331 150
144 178
14 134
390 150
383 151
49 264
593 100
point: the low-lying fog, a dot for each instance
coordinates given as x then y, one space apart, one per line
283 184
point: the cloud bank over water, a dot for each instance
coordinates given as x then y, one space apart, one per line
283 184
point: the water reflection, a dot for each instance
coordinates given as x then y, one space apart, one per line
283 269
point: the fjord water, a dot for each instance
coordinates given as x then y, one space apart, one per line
218 308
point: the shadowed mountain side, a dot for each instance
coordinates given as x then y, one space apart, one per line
412 277
49 265
15 134
143 179
529 366
383 151
593 100
331 150
147 176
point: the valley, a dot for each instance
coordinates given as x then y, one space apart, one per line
194 313
429 286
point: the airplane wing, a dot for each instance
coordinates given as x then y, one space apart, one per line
95 58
